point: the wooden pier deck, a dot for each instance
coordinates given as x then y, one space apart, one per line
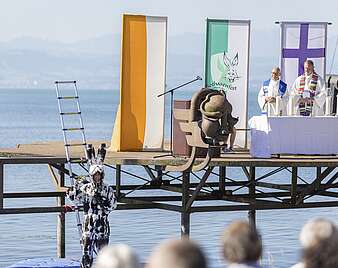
184 192
55 150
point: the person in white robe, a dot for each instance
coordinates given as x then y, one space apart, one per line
308 93
271 97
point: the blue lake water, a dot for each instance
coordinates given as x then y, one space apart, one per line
31 115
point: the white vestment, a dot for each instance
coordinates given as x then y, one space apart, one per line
271 91
318 100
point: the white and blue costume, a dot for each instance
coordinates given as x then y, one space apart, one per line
272 88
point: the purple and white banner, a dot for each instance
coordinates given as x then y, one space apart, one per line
301 41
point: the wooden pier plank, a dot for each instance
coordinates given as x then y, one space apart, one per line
53 152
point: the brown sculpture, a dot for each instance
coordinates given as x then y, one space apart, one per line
209 124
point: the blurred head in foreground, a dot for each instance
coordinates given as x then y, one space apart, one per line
241 243
177 253
315 231
117 256
319 239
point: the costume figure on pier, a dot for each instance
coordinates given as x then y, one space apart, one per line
98 201
308 93
271 97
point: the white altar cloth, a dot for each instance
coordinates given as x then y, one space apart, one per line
293 135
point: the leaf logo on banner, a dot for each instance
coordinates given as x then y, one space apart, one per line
224 71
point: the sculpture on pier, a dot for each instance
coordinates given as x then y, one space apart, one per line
98 200
216 122
207 126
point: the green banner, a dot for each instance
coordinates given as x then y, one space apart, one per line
217 45
227 65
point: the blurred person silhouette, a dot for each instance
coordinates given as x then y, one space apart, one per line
177 253
116 256
241 245
319 239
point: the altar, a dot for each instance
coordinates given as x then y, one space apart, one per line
297 135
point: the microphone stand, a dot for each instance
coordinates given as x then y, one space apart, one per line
171 91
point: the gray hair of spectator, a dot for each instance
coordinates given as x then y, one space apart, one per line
315 231
319 239
241 243
177 253
116 256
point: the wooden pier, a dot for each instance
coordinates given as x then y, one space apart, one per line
184 192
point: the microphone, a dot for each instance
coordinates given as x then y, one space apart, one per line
198 78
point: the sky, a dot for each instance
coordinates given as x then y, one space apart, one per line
74 20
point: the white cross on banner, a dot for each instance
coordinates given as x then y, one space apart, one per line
301 41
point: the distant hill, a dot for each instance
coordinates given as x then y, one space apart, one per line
34 63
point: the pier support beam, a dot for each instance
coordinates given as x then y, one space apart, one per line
1 186
185 214
294 175
252 189
222 174
61 224
118 181
159 173
318 172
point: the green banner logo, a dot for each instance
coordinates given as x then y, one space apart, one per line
224 71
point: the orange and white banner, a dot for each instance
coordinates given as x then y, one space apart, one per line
139 123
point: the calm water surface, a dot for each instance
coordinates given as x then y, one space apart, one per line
31 115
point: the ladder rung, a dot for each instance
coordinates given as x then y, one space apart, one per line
65 82
68 97
70 113
75 144
77 160
80 177
73 129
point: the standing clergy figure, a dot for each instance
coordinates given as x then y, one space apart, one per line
308 93
270 90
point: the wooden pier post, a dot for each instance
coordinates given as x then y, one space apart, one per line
185 214
159 173
222 174
252 212
118 181
1 185
61 222
318 173
294 175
